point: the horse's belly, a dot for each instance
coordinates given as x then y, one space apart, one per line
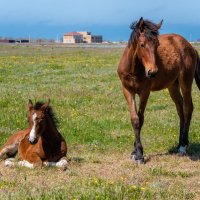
159 87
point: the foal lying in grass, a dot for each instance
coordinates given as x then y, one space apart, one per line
39 145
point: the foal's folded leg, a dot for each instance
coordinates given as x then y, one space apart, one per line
32 161
9 150
62 163
25 163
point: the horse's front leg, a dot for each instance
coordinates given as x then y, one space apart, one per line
137 125
137 119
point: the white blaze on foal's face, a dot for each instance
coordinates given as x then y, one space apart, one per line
32 135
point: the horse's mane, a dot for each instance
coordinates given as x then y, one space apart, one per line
49 112
150 30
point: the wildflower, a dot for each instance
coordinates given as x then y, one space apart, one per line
133 187
95 180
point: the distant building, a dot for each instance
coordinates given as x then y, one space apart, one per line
82 37
97 39
73 37
7 40
88 38
22 41
4 41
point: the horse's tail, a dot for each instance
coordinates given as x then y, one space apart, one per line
197 71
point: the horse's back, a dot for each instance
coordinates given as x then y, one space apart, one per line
175 50
176 61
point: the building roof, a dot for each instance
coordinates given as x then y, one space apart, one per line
72 33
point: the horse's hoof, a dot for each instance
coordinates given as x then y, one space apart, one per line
181 154
133 157
182 151
140 161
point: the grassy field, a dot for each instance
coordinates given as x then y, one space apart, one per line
85 93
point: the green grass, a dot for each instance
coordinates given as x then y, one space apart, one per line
86 95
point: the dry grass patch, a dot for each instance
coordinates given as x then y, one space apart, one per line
163 177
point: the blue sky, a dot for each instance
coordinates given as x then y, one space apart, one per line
111 18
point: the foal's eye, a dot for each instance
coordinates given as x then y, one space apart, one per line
37 119
142 45
41 119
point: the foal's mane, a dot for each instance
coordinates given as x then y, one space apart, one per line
49 112
150 30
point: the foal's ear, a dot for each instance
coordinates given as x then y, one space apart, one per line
30 104
160 24
140 24
45 106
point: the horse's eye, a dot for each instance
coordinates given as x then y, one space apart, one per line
142 45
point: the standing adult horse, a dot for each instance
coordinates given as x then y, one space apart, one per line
152 62
39 144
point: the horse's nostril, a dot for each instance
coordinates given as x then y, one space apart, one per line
151 74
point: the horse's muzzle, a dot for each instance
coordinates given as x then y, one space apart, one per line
151 74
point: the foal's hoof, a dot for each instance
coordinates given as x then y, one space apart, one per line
9 162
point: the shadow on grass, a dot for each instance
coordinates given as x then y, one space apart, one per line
193 151
77 160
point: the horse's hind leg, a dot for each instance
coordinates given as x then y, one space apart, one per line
176 96
187 111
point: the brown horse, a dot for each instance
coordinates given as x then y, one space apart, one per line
41 143
152 62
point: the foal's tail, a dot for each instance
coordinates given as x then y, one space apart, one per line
197 71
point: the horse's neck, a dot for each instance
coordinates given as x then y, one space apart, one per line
132 61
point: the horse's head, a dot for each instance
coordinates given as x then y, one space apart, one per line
145 40
37 117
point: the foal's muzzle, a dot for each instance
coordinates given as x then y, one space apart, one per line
33 141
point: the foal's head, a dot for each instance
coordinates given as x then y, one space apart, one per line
144 39
38 118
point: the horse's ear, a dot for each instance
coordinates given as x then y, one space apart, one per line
45 106
30 104
140 24
160 24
